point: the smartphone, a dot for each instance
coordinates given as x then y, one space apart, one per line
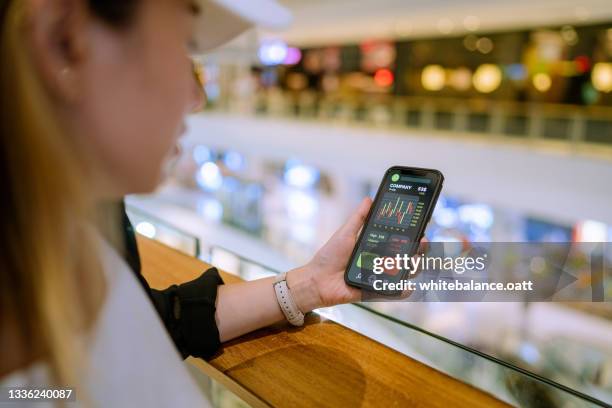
395 225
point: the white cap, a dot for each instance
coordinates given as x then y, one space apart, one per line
222 20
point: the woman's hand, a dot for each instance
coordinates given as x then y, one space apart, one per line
320 282
247 306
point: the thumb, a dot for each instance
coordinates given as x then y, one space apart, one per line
355 222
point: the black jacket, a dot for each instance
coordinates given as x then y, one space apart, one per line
187 310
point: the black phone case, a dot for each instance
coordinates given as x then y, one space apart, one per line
420 233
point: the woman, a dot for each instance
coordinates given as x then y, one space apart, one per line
94 94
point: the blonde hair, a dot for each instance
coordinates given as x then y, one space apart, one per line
51 282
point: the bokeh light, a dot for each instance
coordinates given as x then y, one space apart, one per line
602 76
471 23
201 154
209 176
433 77
300 175
383 77
272 52
542 81
461 79
487 78
484 45
294 55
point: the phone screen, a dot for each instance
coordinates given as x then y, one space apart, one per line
396 223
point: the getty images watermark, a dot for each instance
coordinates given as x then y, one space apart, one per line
492 272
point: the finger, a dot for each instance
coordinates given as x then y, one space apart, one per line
421 251
423 246
355 222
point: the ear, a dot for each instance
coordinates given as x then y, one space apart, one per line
58 30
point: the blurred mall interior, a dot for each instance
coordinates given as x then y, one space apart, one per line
512 101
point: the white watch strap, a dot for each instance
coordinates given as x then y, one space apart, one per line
286 302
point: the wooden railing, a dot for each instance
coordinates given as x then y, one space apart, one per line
320 364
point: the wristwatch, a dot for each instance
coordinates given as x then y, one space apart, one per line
285 300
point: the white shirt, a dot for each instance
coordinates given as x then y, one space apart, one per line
132 360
